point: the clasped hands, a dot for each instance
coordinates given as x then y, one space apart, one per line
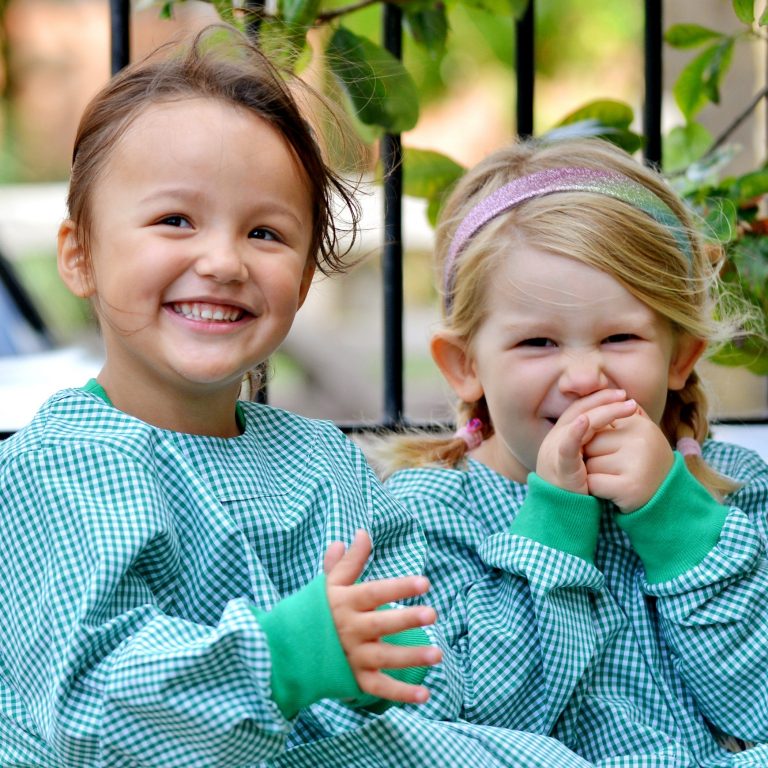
606 446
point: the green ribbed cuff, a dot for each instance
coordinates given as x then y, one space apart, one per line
308 661
562 520
677 528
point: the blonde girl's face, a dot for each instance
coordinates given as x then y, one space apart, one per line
199 254
556 331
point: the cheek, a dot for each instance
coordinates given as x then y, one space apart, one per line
651 389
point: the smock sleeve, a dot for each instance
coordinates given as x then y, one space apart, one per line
518 613
705 563
105 663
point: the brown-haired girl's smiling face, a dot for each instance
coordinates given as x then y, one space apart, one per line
199 253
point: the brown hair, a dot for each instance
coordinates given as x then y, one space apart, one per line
218 63
608 234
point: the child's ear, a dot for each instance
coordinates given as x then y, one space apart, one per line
306 280
456 363
73 266
688 350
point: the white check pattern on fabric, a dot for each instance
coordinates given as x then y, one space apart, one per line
131 560
623 672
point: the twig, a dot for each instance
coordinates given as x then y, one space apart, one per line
738 121
336 12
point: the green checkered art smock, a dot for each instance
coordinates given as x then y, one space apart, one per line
624 671
132 558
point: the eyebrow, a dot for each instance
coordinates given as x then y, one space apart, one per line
172 192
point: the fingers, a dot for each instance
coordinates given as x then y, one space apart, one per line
605 415
371 658
386 687
390 621
383 655
346 569
371 594
333 554
596 399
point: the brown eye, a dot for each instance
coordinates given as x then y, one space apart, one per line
261 233
175 220
618 338
538 341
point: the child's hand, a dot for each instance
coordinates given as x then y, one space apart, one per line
360 626
560 460
627 463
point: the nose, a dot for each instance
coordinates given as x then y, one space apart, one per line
222 261
582 373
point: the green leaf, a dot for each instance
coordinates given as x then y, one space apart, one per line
285 44
497 7
627 140
714 74
428 174
431 175
166 10
684 145
606 111
699 80
749 186
428 27
379 87
750 353
298 13
603 118
721 219
745 10
434 207
749 258
690 35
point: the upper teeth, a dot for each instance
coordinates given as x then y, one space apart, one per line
200 311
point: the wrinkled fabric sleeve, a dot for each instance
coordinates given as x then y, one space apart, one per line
109 671
518 615
714 615
400 549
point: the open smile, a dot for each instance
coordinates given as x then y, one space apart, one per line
204 312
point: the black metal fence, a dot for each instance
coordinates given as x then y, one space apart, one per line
393 407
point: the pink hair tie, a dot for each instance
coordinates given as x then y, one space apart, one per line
689 446
471 433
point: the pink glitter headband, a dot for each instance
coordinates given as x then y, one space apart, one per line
608 183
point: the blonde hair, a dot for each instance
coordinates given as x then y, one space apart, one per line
609 234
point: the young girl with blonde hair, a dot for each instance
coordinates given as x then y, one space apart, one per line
596 561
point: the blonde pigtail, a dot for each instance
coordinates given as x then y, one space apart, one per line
419 448
685 419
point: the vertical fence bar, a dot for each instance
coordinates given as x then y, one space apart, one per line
525 69
254 8
652 151
120 32
392 249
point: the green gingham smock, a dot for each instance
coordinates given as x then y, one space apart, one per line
132 560
624 672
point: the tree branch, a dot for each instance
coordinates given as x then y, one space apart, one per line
324 18
721 139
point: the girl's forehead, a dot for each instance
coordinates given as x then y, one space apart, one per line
527 273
